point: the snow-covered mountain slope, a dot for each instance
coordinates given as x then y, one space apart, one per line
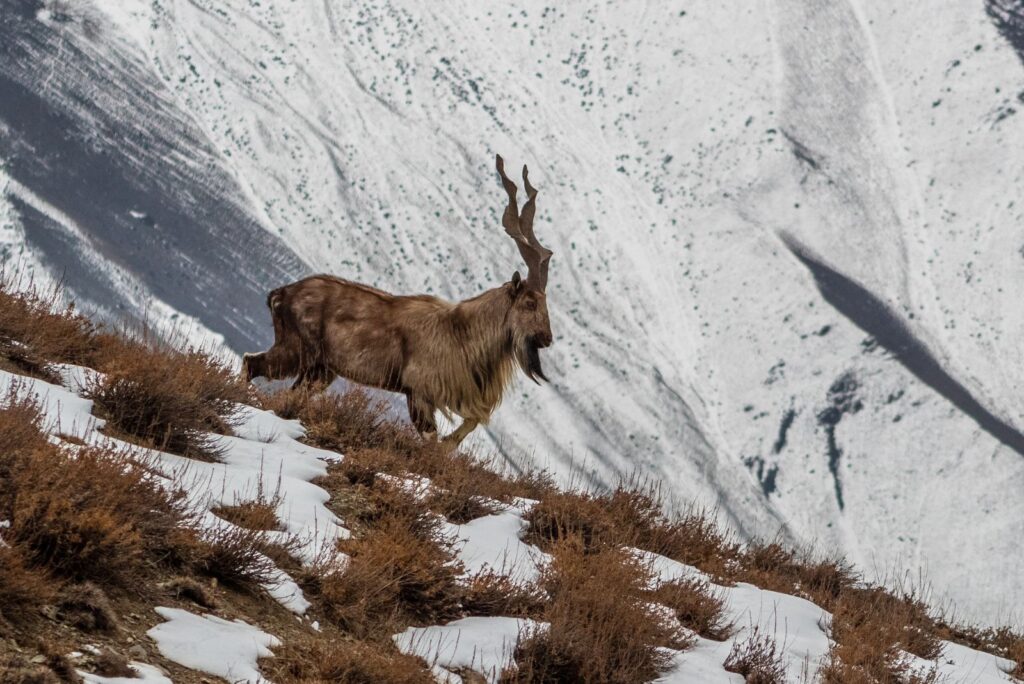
788 252
266 446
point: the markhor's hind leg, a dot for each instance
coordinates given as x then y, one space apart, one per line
461 432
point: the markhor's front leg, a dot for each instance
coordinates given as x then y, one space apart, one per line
455 439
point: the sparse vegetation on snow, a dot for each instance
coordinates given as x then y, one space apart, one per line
160 520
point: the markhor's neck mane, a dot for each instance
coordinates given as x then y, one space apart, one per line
480 334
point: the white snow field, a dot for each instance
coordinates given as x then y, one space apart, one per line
788 256
266 445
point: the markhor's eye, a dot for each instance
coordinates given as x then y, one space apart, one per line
530 304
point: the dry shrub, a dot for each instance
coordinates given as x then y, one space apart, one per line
18 669
574 515
35 329
772 566
400 570
460 507
21 440
111 664
190 590
692 537
334 660
758 659
1007 643
168 399
59 663
342 421
632 515
696 605
462 488
602 627
490 593
467 487
233 555
871 628
391 573
22 590
252 515
81 513
696 539
86 607
91 515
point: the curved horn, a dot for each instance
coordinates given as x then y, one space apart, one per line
519 227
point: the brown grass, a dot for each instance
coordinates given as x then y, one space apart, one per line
772 566
630 515
81 513
696 605
338 660
35 330
110 664
16 668
252 515
400 570
168 399
233 555
21 440
86 607
464 487
758 659
602 627
342 421
48 668
1001 641
633 514
361 428
189 589
489 593
23 591
871 628
579 516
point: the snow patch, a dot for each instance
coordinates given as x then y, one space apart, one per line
962 664
796 625
63 412
210 644
492 543
481 644
147 674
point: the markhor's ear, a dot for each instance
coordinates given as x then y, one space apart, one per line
517 281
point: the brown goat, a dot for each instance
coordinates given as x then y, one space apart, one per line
458 358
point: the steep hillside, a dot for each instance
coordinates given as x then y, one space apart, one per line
787 246
160 523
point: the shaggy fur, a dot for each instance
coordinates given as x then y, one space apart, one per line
459 358
455 357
